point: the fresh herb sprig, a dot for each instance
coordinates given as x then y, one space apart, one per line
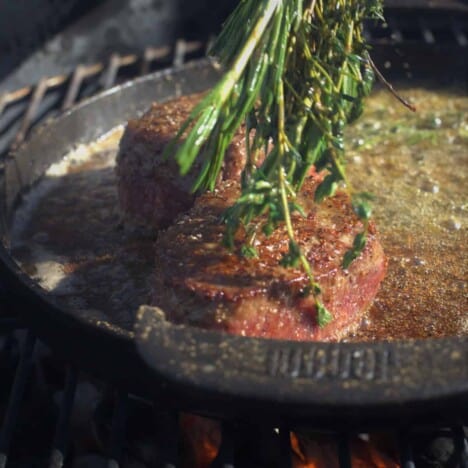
296 73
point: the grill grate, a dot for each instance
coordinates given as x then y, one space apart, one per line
167 439
430 29
168 456
21 110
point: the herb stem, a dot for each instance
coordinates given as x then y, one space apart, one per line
233 75
296 74
389 86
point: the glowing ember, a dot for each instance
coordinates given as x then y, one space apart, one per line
320 451
202 439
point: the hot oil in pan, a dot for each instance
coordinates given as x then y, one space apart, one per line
68 233
68 236
417 168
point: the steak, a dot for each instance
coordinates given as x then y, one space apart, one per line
151 191
201 283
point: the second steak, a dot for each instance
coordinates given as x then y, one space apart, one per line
151 191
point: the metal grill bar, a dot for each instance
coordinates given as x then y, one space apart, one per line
149 56
105 74
34 93
109 77
79 75
285 446
60 443
117 436
461 447
396 34
37 97
427 32
153 54
344 452
417 29
183 49
406 451
168 421
16 396
459 34
13 97
225 457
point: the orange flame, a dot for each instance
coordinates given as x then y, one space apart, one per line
320 451
202 439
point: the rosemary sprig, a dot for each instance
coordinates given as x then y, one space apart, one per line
297 72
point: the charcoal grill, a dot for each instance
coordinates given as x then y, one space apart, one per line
23 109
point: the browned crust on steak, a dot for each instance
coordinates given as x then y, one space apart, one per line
199 282
151 191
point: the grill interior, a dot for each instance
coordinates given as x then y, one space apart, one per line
124 429
31 374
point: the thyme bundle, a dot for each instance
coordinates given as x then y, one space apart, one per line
296 73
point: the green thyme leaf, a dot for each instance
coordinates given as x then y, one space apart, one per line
249 251
353 253
326 189
292 257
296 73
324 317
363 209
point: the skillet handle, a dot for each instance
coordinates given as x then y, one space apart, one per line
308 377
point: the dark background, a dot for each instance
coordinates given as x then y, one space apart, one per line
91 30
49 37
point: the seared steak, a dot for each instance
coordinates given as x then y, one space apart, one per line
151 191
201 283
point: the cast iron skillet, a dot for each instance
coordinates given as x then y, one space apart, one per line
210 372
